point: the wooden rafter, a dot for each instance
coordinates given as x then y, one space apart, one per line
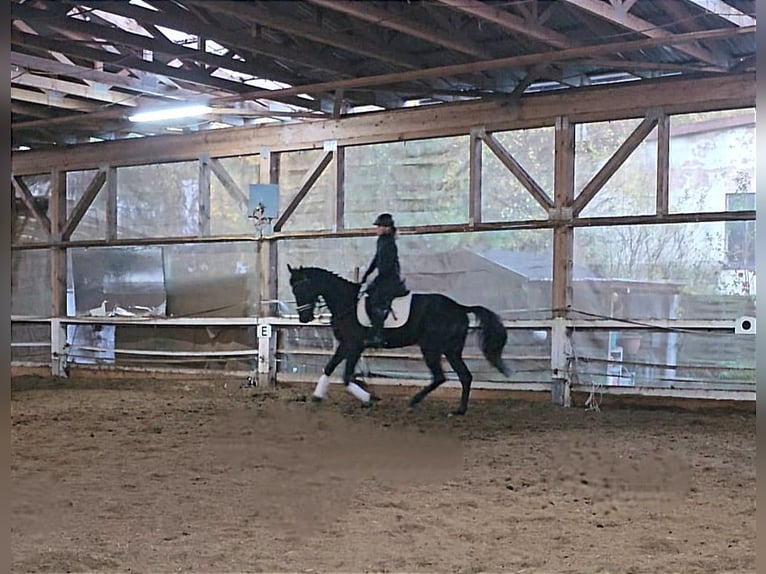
307 30
578 53
387 19
627 20
509 21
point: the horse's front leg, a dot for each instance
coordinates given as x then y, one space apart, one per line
348 376
323 384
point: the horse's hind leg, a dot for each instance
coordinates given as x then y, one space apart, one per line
434 362
455 359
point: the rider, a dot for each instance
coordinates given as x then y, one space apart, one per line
387 284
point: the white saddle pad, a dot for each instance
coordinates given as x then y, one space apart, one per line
400 312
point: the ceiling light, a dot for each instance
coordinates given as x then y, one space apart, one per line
170 113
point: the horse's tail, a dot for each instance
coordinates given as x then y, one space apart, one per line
492 336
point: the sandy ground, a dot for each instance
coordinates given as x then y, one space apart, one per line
149 476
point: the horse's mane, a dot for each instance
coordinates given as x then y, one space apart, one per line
314 271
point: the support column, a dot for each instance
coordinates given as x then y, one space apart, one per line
474 177
340 189
563 252
111 203
58 278
268 272
203 187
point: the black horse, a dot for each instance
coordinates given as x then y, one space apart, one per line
438 324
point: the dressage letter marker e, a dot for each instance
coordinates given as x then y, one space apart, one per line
264 344
264 331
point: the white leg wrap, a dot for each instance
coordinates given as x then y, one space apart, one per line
320 391
358 392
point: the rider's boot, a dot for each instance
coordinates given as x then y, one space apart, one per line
375 335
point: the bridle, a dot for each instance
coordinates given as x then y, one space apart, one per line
306 306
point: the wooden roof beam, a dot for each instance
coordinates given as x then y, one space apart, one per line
627 20
551 57
592 104
384 18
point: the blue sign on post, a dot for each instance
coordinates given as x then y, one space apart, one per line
264 200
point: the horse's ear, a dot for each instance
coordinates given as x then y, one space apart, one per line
289 268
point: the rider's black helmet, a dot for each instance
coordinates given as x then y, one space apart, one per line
384 220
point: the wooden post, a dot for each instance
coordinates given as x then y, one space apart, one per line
111 203
268 273
663 163
340 188
563 252
474 177
58 272
58 348
203 218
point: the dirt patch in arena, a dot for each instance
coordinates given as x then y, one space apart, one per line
148 476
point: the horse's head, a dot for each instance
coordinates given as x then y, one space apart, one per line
305 293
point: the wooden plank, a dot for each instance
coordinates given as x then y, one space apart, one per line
57 210
474 178
623 101
537 192
614 163
663 164
85 202
563 235
228 182
29 201
203 222
308 180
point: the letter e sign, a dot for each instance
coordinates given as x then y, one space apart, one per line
264 331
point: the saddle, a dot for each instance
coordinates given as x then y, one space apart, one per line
396 317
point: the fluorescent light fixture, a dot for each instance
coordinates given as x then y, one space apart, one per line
170 113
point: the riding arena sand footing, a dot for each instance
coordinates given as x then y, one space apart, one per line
154 476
